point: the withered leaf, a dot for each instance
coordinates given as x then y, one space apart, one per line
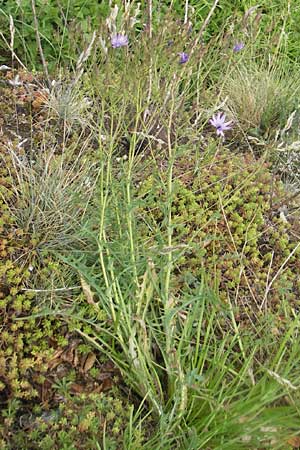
104 375
70 356
107 384
88 293
294 441
40 99
88 361
77 388
56 359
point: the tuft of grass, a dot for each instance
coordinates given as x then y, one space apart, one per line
51 195
261 99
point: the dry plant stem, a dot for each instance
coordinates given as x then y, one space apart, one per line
236 329
71 288
82 59
186 9
169 303
250 289
204 25
269 269
149 25
38 40
12 36
150 12
13 54
268 287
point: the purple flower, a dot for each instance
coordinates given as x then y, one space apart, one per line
218 121
119 40
238 46
183 57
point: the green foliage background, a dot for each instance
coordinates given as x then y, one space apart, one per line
59 23
66 26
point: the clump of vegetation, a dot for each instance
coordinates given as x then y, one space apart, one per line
15 360
145 240
84 421
41 208
27 342
227 222
262 99
51 383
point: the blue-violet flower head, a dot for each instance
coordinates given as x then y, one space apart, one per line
119 40
183 57
238 46
219 122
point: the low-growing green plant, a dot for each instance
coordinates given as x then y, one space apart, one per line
24 344
85 421
226 221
